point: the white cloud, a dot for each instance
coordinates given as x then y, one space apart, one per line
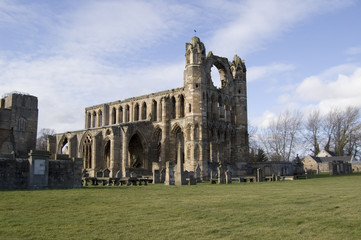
261 72
353 51
339 89
65 86
259 21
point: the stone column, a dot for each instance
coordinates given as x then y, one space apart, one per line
164 141
124 151
177 108
169 175
159 111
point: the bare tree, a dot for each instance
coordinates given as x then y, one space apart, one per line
346 128
280 138
313 131
43 135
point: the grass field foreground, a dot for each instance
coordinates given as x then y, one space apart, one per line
319 208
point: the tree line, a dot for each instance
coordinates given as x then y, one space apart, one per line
292 133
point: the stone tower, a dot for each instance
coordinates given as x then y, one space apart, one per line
18 124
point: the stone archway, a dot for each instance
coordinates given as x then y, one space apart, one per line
107 153
136 152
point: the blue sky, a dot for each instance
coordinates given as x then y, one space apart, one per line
300 55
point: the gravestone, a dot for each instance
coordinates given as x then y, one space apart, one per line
162 175
169 173
156 172
192 179
156 176
118 174
99 174
228 177
179 173
221 177
198 174
106 172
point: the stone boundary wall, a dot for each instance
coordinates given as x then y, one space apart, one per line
62 173
14 174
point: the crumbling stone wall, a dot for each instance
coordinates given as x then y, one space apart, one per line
62 173
14 174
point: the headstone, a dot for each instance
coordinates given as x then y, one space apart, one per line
156 176
85 173
162 175
198 174
156 172
179 173
169 173
106 172
228 177
221 178
118 174
192 179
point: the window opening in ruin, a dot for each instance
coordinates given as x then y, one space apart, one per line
159 144
196 132
94 118
21 124
173 109
144 111
179 143
87 152
189 107
65 147
89 120
136 112
154 111
114 115
126 114
100 118
136 152
216 78
107 154
120 114
181 99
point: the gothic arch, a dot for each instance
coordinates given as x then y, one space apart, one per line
63 145
85 150
223 68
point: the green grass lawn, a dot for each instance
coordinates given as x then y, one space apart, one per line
317 208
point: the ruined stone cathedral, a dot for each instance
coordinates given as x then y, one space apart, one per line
206 124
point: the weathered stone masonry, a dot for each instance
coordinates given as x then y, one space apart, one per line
209 124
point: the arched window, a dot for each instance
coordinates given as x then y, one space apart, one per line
94 119
87 152
107 154
173 109
144 111
114 115
126 113
120 114
181 105
100 118
154 111
136 112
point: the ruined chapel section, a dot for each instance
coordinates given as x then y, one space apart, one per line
208 124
